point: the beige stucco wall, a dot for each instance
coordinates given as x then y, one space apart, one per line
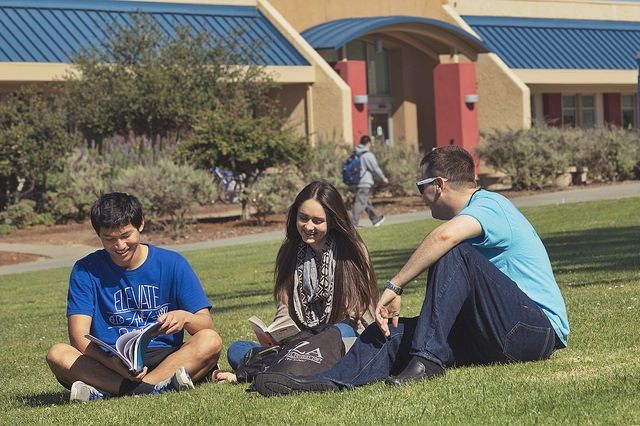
303 14
412 105
568 9
328 98
503 102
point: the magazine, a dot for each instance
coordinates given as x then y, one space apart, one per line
130 347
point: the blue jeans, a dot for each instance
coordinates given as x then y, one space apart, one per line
239 348
472 314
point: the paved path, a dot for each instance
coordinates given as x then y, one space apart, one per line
65 256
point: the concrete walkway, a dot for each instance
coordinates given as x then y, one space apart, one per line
65 256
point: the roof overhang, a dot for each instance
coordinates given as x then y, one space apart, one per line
431 36
577 77
34 72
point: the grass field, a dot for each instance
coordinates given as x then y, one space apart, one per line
595 250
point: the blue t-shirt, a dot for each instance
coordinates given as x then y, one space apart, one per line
513 246
120 300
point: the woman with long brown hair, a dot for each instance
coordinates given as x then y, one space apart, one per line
323 272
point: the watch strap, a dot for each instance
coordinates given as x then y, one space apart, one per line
394 288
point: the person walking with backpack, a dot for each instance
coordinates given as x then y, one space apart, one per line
368 168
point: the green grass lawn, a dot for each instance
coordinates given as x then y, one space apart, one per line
595 250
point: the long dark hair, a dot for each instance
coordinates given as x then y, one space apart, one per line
355 289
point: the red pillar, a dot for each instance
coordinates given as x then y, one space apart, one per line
613 108
456 108
354 73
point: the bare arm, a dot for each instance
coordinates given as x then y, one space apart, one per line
433 247
437 244
175 321
79 326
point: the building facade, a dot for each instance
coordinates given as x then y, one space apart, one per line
431 72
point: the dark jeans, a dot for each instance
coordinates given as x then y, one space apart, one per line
472 314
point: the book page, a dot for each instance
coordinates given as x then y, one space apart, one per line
107 347
254 320
140 346
284 322
284 331
260 328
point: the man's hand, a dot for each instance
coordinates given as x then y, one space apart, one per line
173 321
388 307
118 366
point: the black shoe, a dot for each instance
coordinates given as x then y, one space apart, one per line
271 384
417 369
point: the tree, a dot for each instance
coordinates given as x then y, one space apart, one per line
235 139
201 91
145 81
34 142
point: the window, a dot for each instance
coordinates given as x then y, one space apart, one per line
376 58
377 70
587 111
569 113
329 55
628 111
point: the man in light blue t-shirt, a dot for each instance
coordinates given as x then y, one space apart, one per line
125 287
491 295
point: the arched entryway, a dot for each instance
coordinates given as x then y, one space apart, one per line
411 78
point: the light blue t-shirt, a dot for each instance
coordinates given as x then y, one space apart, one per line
513 246
119 300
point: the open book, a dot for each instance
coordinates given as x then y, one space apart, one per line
274 333
130 346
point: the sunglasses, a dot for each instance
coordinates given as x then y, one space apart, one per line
424 182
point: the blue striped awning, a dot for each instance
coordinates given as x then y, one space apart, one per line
51 31
335 34
529 43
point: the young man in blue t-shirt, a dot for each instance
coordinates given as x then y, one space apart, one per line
124 287
491 295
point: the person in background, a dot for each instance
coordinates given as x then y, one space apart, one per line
369 169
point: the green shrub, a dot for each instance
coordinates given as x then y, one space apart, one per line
33 141
324 162
84 178
611 154
168 191
6 229
531 158
400 162
23 214
274 191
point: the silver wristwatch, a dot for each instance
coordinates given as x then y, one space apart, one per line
394 288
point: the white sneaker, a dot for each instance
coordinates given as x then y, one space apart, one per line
179 382
80 391
379 221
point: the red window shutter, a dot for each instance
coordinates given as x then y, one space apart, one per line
613 108
552 109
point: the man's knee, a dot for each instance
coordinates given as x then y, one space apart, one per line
61 356
207 343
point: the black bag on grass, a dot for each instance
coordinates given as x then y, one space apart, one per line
308 353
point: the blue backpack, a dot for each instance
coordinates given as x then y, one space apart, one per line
351 169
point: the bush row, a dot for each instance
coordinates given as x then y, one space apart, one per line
533 158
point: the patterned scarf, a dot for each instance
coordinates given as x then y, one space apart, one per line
313 284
